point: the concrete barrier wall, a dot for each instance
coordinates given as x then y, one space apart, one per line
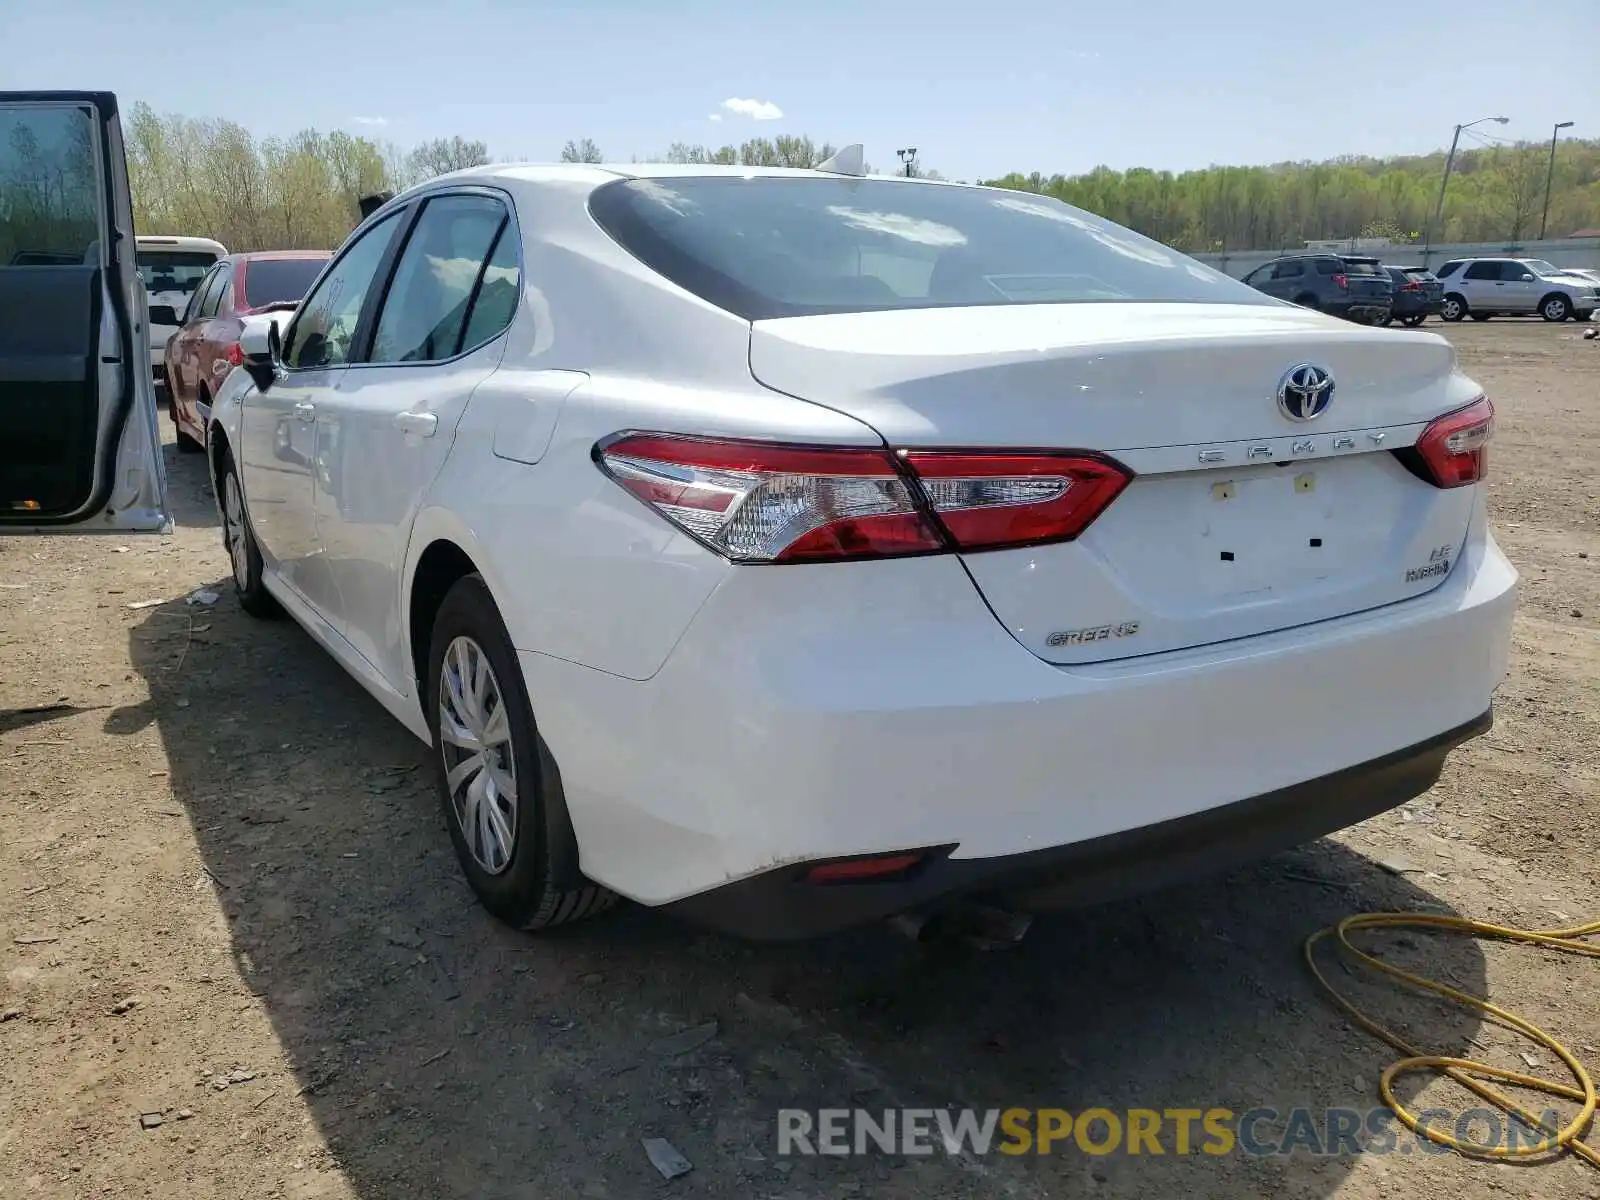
1563 252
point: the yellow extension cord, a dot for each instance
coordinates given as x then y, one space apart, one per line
1465 1071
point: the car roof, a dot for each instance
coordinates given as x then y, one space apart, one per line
263 255
599 173
149 241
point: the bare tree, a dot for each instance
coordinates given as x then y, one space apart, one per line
443 155
581 151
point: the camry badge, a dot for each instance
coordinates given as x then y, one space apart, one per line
1305 391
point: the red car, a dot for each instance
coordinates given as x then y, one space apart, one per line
206 346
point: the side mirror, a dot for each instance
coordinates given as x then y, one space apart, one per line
1527 277
164 314
262 347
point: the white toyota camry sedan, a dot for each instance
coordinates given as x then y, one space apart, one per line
792 549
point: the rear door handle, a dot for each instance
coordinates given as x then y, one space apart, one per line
305 412
421 424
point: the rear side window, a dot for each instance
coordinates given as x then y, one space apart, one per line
496 301
768 246
1329 266
1288 270
49 188
1482 270
425 313
279 280
1449 269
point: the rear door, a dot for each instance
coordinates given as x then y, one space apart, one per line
79 440
391 421
1480 284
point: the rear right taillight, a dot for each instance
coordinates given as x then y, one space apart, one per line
1341 281
760 502
234 354
1411 285
1453 450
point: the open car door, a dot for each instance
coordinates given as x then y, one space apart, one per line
80 446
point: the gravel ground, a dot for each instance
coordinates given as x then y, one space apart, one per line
227 901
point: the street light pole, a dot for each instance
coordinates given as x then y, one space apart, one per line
1438 208
909 158
1550 174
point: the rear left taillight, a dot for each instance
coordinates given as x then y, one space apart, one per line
234 354
765 503
1454 449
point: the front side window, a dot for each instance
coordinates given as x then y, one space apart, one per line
1288 270
324 330
49 187
767 246
425 313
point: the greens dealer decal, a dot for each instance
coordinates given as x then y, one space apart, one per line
1438 564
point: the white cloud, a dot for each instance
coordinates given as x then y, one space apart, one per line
713 116
378 121
756 110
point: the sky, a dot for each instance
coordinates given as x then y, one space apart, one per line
979 89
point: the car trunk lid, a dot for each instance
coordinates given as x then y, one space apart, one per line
1239 521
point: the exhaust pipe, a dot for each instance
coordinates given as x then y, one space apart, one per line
980 926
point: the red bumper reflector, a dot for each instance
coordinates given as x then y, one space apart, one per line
857 870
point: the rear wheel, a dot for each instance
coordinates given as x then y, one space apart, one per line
1478 316
1453 308
1413 320
1555 308
243 552
497 780
1386 320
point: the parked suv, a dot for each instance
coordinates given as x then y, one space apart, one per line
1346 286
206 346
1417 294
1487 287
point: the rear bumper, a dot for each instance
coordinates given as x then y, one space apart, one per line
813 713
779 905
1356 309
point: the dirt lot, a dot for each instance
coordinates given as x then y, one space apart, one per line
226 896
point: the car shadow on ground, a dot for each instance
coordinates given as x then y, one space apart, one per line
442 1054
189 496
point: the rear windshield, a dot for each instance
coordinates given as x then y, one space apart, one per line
780 247
1421 273
279 280
172 270
1362 266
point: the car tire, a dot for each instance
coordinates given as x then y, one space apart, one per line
1555 308
244 554
1386 320
1480 316
503 836
1414 320
1453 308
